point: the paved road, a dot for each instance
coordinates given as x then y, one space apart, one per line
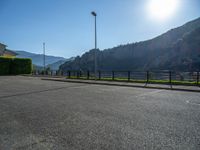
49 115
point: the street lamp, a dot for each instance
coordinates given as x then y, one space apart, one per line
95 55
44 65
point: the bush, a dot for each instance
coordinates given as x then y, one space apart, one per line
21 66
5 65
15 66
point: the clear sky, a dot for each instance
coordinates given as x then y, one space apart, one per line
67 27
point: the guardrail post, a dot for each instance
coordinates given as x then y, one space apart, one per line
99 75
88 74
170 77
198 78
80 73
77 74
69 74
113 75
147 76
129 75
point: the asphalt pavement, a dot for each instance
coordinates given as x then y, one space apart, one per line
48 115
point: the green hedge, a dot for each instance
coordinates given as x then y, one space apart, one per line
5 66
15 66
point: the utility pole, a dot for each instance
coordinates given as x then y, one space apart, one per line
44 57
95 52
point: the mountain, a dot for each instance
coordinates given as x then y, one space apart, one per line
177 49
37 59
56 65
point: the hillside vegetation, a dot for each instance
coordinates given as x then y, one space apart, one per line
177 49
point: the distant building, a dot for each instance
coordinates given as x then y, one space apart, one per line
2 49
5 52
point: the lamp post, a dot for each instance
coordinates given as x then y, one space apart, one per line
95 54
44 57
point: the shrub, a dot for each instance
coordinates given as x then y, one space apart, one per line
5 65
21 66
15 66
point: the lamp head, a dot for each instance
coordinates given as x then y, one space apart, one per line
93 13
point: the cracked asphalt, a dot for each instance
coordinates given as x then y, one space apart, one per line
49 115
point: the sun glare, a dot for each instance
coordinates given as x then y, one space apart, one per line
162 10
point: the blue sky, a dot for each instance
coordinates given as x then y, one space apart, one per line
67 27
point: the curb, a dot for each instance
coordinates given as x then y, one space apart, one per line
124 85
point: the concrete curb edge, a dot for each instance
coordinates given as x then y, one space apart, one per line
124 85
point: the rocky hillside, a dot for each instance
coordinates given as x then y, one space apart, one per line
177 49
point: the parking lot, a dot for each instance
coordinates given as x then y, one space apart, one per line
49 115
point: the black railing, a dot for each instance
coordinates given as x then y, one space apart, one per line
165 77
49 73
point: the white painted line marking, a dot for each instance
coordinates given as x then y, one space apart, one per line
192 103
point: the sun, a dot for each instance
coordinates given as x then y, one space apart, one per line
162 10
